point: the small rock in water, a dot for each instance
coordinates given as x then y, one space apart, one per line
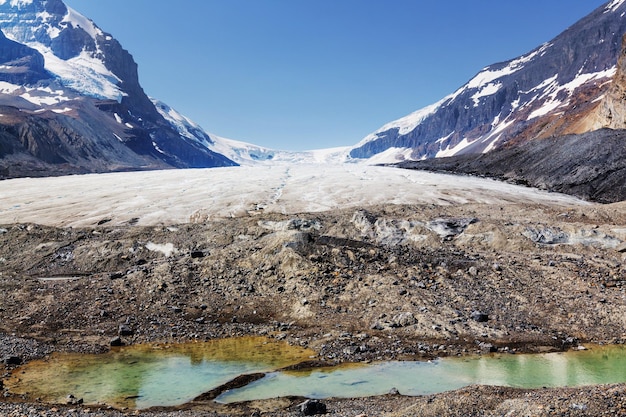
312 407
71 400
394 391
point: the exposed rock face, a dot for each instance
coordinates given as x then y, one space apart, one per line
555 89
84 109
591 166
19 63
612 110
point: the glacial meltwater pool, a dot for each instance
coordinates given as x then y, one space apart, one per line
142 376
166 375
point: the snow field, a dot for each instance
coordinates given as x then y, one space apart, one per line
181 196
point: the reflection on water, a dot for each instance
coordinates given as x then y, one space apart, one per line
166 375
600 365
143 376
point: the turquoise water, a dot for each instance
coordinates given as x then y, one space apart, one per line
167 375
144 376
600 365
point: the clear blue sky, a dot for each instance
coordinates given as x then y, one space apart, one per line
307 74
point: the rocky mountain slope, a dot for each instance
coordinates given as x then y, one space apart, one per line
566 86
71 101
591 166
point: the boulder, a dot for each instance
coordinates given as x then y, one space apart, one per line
116 341
13 360
125 330
403 320
72 400
480 317
312 407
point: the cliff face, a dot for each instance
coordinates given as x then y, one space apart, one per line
80 105
591 165
611 112
568 85
20 64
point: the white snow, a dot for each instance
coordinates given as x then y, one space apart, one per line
63 110
8 88
244 153
407 123
17 3
43 96
551 104
40 96
613 6
486 90
247 154
78 20
550 89
390 156
450 151
53 31
180 196
485 83
183 124
154 144
166 249
487 76
496 133
83 73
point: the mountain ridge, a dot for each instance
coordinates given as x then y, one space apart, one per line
555 89
71 102
80 105
590 166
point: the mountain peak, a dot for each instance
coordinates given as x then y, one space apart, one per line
75 100
72 45
552 90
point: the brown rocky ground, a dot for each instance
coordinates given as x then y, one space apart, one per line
368 284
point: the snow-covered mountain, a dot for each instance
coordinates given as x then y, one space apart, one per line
71 101
244 153
568 85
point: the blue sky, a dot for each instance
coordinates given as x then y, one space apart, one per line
308 74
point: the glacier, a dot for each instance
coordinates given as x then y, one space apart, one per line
198 195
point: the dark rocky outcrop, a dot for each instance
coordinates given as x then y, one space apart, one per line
19 63
312 408
591 166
